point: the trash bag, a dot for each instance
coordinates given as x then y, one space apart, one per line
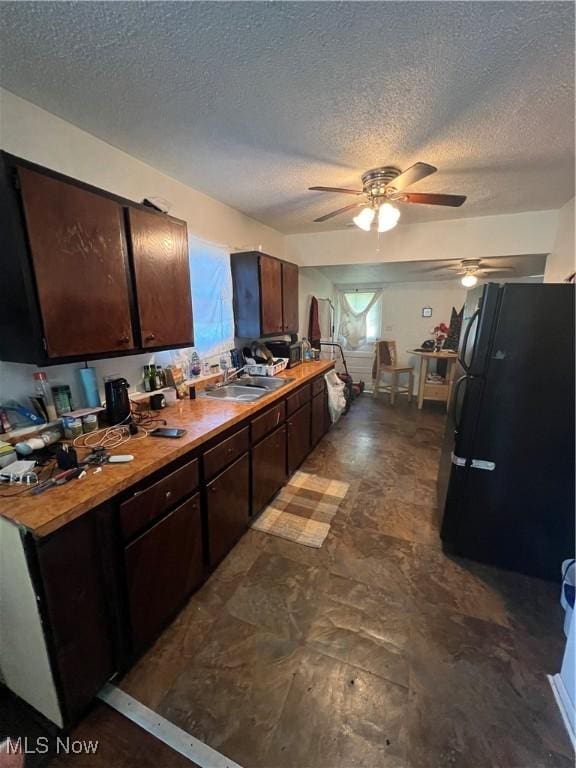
336 396
568 591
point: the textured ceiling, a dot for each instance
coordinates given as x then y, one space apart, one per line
410 271
252 102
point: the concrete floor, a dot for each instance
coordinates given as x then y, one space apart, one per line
375 651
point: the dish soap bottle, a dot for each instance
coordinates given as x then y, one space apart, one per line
195 364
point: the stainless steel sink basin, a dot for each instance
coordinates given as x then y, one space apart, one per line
271 383
247 389
236 393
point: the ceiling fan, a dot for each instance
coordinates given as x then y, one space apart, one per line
383 186
471 270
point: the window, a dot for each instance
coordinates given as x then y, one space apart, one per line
359 319
211 279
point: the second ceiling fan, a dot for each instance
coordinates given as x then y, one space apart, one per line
383 186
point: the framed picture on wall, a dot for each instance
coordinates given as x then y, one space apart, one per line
426 311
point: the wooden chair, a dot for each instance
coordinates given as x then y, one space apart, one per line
386 361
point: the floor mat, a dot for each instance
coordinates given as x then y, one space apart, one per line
303 510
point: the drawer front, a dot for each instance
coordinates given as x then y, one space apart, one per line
150 503
163 566
261 425
225 452
298 399
228 508
318 386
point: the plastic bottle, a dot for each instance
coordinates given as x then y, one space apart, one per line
26 447
224 361
195 364
306 350
43 389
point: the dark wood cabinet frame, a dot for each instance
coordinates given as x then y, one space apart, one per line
23 338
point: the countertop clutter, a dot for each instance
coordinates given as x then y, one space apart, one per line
202 419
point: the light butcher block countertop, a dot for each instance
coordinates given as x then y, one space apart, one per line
203 419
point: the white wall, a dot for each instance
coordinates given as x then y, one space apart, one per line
311 282
513 234
402 321
36 135
561 261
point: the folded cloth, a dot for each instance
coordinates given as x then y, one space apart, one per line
336 397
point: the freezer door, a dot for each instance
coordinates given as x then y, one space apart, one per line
478 324
455 458
519 498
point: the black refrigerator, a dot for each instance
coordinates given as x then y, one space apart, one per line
506 476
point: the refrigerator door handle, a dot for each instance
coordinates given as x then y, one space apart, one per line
455 415
483 464
471 322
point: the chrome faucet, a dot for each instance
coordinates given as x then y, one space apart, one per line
228 377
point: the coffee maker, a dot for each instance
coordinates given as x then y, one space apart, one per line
117 401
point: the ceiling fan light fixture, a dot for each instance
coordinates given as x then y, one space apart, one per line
469 281
387 217
364 219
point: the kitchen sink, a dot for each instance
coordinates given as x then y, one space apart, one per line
270 383
247 389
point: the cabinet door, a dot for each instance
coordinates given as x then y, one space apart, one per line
78 610
228 508
270 295
318 417
291 321
298 437
78 250
162 274
163 566
268 468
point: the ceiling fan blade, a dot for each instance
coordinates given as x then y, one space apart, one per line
411 175
455 201
495 270
336 189
340 210
444 268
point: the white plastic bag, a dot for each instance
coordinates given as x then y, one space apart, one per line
336 398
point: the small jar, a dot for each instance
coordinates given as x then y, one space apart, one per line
72 427
89 423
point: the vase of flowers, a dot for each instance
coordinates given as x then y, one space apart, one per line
440 334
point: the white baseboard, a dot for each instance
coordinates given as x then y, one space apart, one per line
564 705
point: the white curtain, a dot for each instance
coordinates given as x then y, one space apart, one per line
352 322
211 278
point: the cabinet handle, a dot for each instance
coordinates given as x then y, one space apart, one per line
230 450
123 340
150 337
213 489
168 494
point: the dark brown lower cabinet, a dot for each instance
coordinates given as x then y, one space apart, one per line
318 417
228 508
298 439
75 603
268 468
163 566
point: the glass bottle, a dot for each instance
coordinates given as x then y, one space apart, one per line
153 378
44 391
146 380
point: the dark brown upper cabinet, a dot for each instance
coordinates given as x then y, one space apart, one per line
79 257
162 278
265 295
70 287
